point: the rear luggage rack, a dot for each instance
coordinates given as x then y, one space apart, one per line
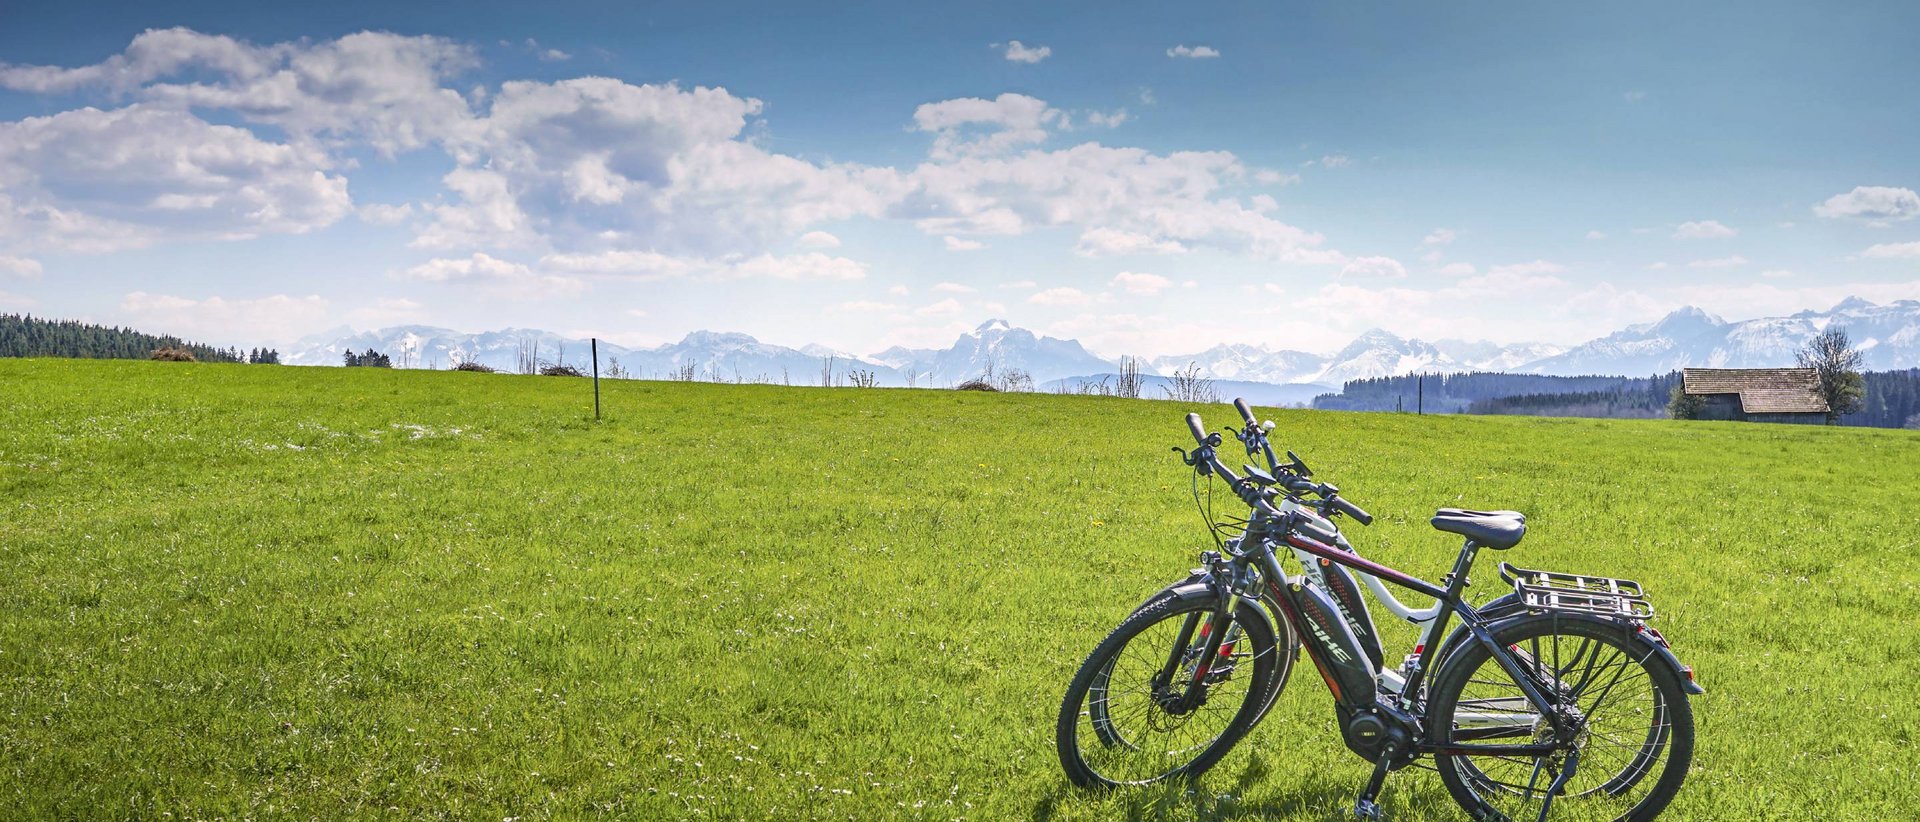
1554 591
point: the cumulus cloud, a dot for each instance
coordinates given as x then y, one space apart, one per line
374 87
1871 203
1596 234
972 125
1018 52
819 239
953 288
653 265
1106 242
1172 198
1193 52
1734 261
957 244
596 161
944 308
1893 251
384 213
1333 161
1111 119
20 267
1703 230
94 181
1533 269
1381 267
279 317
1457 269
1062 295
1439 236
1140 284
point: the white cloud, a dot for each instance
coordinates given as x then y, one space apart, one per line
1193 52
1893 251
1268 176
1703 230
1018 52
1060 296
94 181
20 267
1457 270
1381 267
1107 242
1439 236
653 265
1596 234
1170 198
1140 284
819 239
546 55
495 276
1734 261
1872 203
1145 96
956 244
953 288
972 125
1108 119
386 311
1532 269
384 213
868 306
379 88
898 290
944 308
577 162
1263 203
219 320
1333 161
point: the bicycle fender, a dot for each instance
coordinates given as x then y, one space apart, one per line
1651 641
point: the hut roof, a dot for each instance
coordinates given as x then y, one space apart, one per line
1761 390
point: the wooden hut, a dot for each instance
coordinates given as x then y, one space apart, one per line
1789 395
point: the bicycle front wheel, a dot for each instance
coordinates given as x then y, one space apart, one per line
1635 737
1130 716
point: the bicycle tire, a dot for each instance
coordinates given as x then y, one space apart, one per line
1581 657
1092 692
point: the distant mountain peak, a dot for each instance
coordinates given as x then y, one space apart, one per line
718 338
993 325
1852 303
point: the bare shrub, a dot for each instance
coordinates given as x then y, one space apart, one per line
558 370
173 354
1186 385
863 379
975 385
475 366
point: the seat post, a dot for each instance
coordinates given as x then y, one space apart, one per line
1457 581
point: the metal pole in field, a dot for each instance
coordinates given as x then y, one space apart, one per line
1420 395
596 377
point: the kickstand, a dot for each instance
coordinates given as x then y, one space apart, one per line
1559 782
1365 807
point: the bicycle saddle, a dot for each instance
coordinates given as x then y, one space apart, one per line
1498 530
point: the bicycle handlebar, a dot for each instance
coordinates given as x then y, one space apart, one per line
1245 412
1293 484
1199 431
1351 510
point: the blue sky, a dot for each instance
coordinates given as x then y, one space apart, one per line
1150 179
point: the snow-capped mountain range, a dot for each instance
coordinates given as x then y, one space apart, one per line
1888 336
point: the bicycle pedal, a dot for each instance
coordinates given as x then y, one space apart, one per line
1369 810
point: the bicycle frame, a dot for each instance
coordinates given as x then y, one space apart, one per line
1325 652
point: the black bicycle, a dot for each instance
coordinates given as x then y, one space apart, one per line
1555 699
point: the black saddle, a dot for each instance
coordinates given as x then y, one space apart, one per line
1498 530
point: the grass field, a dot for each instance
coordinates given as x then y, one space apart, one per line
233 591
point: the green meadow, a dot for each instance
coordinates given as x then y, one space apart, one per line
234 591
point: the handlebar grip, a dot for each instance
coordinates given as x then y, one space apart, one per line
1351 510
1245 412
1299 485
1199 432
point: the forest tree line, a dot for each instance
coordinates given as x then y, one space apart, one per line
27 336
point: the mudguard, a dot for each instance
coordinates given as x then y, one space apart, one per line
1649 639
1200 584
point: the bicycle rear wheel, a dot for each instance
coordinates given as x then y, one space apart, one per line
1636 737
1122 721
